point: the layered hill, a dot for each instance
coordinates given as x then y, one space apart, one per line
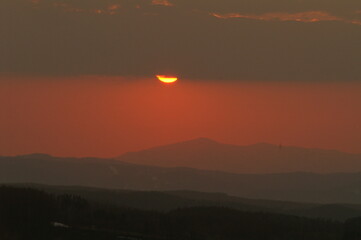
207 154
165 201
111 173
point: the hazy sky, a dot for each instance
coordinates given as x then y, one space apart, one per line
293 40
77 77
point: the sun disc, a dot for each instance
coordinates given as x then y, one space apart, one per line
167 79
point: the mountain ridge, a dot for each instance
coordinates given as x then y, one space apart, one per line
207 154
111 173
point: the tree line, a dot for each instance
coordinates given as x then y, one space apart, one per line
27 213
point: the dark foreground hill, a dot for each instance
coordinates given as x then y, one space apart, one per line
171 200
207 154
110 173
33 214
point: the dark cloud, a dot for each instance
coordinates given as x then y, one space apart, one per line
249 40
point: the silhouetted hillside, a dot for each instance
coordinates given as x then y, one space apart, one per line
33 214
171 200
353 229
110 173
207 154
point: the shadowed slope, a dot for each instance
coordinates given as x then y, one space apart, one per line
110 173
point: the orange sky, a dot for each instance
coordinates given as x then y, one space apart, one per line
106 116
250 71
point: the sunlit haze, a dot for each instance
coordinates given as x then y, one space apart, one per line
106 116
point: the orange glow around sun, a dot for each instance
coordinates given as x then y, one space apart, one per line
167 79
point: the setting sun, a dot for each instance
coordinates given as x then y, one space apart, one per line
167 79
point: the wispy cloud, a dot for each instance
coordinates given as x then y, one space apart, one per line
307 17
114 7
101 7
109 9
165 3
357 22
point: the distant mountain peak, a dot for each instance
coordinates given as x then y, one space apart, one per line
263 144
202 140
207 154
